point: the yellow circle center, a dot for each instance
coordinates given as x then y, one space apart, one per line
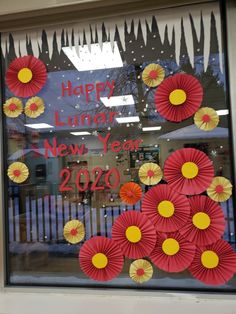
201 220
166 209
177 97
189 170
209 259
99 260
170 246
25 75
133 234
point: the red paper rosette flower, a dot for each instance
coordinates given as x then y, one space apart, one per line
101 259
26 76
214 264
172 252
206 223
167 209
130 193
188 171
178 97
135 234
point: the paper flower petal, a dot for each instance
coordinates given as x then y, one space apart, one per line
172 252
74 231
167 209
134 233
13 107
206 223
153 75
214 264
101 259
206 119
18 172
26 76
130 193
150 173
178 97
188 171
34 107
140 271
220 189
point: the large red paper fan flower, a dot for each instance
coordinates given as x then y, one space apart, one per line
135 234
188 171
167 209
178 97
101 259
26 76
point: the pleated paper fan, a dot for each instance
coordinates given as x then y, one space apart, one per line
135 234
188 171
101 259
150 173
214 264
167 209
34 107
141 271
13 107
130 193
18 172
220 189
206 223
172 253
178 97
26 76
74 231
153 75
206 119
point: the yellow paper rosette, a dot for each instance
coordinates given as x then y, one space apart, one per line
220 189
34 107
150 173
206 119
153 75
18 172
140 271
13 107
74 231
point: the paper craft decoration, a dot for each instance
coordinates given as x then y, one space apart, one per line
206 119
220 189
150 173
130 193
34 107
140 271
74 231
172 253
153 75
214 264
178 97
26 76
135 234
18 172
167 209
206 223
188 171
101 259
13 107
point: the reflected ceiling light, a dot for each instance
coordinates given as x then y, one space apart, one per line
114 101
39 126
80 133
128 119
95 57
223 112
152 128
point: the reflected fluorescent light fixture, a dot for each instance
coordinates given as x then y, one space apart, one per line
95 57
152 128
128 119
115 101
223 112
39 126
80 133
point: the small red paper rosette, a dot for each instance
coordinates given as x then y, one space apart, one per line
188 171
214 264
135 234
130 193
101 259
178 97
167 209
26 76
206 223
172 252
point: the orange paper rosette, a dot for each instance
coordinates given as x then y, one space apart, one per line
74 231
220 189
34 107
141 271
206 119
13 107
130 193
153 75
150 173
18 172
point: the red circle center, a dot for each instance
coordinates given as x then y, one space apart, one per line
140 272
16 173
206 118
150 173
12 107
73 232
33 107
130 193
153 74
219 189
